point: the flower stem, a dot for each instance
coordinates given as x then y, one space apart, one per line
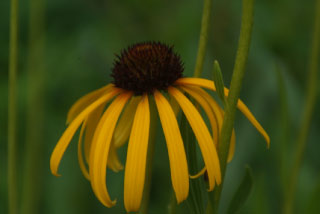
12 110
307 114
35 113
152 139
203 37
235 87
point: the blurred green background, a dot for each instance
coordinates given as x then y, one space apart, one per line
79 41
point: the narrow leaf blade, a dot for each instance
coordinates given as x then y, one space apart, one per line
218 79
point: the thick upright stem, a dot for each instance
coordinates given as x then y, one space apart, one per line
12 109
35 110
203 37
235 87
307 113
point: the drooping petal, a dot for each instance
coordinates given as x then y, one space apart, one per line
230 156
134 176
72 128
241 106
210 113
198 82
122 131
177 155
114 162
100 148
93 119
201 172
80 156
219 113
244 109
174 105
203 136
92 122
86 100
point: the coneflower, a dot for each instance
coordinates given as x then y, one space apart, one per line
143 71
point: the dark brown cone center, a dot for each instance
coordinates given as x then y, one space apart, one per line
145 67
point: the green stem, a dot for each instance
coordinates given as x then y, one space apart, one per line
235 87
203 37
12 109
35 113
307 114
152 139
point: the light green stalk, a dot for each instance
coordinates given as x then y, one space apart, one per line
151 145
307 113
235 87
205 22
12 110
34 129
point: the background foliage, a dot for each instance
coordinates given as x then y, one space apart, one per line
81 38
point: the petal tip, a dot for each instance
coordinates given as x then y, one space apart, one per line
108 203
267 139
56 174
181 199
202 171
117 169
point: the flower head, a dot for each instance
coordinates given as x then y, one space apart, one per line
141 71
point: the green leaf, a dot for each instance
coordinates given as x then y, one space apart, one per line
218 79
242 193
196 200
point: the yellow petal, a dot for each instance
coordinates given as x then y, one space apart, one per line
177 156
198 82
215 115
100 148
203 136
208 84
72 128
174 105
206 107
86 100
80 156
202 171
122 131
114 162
136 157
244 109
92 123
219 115
241 106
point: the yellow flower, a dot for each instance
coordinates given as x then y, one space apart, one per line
144 70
